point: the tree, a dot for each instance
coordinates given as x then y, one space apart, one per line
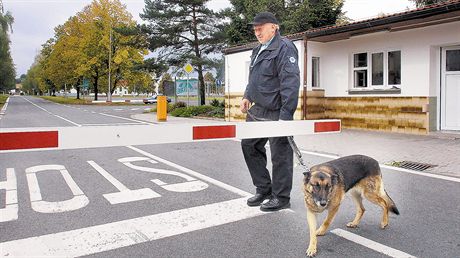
7 70
422 3
294 16
90 42
304 15
210 82
182 31
161 85
34 81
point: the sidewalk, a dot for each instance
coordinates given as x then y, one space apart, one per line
440 149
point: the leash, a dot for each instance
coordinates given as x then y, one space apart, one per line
291 141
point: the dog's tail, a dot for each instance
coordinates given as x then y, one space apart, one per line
392 206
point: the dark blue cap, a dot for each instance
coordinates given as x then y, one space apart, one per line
264 17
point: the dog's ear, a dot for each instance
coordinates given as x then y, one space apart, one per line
306 177
334 179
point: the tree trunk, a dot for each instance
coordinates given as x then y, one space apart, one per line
96 79
202 85
78 88
198 55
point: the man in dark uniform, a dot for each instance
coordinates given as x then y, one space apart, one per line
273 88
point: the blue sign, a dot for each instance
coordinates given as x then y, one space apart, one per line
85 84
182 87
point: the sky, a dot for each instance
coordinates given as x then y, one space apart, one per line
35 20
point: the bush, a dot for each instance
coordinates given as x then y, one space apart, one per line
215 103
198 111
216 112
180 104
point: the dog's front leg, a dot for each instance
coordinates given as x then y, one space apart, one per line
311 219
330 217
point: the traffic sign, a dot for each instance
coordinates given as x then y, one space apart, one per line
188 68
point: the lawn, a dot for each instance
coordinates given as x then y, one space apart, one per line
3 99
68 100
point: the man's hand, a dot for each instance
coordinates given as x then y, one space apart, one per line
245 103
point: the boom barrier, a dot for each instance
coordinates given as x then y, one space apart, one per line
20 139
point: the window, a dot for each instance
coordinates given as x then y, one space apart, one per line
378 70
394 68
452 60
360 70
315 72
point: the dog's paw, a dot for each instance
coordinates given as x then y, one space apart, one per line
311 252
352 225
320 232
383 225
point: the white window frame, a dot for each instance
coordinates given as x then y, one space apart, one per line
385 68
317 72
364 68
387 75
368 68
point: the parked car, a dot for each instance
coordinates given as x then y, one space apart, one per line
153 100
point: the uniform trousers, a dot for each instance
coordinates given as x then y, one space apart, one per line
280 184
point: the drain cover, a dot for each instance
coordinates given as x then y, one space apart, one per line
413 165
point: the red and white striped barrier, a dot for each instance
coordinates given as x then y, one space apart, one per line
14 139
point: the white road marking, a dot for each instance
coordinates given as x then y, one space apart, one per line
370 244
10 211
110 124
133 109
194 174
129 119
79 199
2 112
67 120
191 185
95 239
125 194
448 178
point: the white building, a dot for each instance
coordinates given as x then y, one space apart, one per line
399 73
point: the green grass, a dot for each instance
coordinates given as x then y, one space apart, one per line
82 101
3 99
62 100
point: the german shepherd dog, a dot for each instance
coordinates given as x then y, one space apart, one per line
325 186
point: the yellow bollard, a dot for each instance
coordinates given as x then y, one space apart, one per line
162 109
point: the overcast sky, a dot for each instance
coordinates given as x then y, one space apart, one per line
34 20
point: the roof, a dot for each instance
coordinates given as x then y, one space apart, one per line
444 12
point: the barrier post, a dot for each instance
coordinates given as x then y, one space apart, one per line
162 108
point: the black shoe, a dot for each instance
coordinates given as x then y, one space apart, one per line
257 199
275 204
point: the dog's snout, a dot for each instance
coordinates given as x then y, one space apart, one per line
323 203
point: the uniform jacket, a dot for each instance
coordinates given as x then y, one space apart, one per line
274 77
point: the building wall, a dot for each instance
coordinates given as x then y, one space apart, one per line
415 110
419 58
232 107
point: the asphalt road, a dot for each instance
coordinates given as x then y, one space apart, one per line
188 200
